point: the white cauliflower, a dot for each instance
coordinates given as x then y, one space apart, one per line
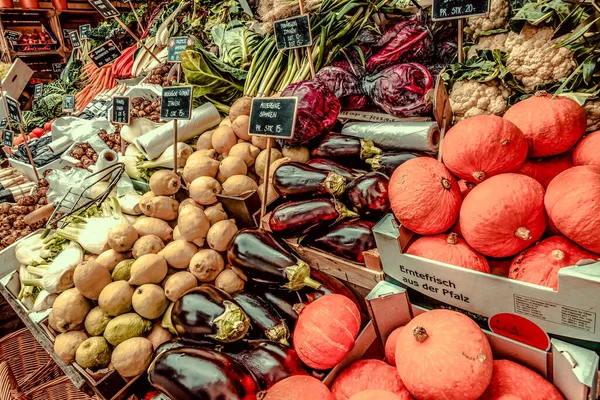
490 42
533 59
592 111
497 18
470 98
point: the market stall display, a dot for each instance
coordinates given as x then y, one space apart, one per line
231 260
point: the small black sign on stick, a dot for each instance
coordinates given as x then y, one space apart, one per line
7 137
105 8
456 9
176 46
12 35
3 123
120 109
14 110
273 117
74 36
176 103
68 103
292 33
105 54
57 67
83 31
39 90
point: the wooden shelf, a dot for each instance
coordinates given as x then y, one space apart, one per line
36 53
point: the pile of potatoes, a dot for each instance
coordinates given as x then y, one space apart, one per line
118 313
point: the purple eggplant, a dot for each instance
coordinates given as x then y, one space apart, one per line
263 257
347 240
368 195
297 179
297 218
282 300
268 361
387 163
326 164
206 312
345 148
200 373
264 316
329 285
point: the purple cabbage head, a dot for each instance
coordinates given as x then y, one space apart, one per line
403 90
406 41
318 109
343 80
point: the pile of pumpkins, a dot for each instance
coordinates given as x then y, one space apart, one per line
515 195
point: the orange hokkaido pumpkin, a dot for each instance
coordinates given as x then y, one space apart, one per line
326 330
540 264
299 387
424 196
512 379
442 354
365 375
587 150
544 170
572 203
483 146
390 346
378 395
465 187
503 215
449 249
550 125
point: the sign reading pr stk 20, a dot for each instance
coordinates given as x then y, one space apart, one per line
456 9
274 118
176 103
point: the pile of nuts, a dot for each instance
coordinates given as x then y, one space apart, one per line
12 227
88 156
158 76
142 108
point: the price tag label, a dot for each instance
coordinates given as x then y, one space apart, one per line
74 36
176 46
12 35
292 33
83 31
105 8
457 9
176 103
7 137
39 90
120 109
14 110
57 67
68 103
105 54
3 123
274 118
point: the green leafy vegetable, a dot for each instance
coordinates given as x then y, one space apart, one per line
236 43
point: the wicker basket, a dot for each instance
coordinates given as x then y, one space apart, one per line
56 389
28 361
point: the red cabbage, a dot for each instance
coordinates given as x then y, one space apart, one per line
402 90
406 41
318 109
342 79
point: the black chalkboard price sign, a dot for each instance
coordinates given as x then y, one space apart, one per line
83 31
3 123
104 54
274 118
456 9
74 36
38 90
176 103
105 8
176 46
14 111
292 33
7 137
68 103
57 67
12 35
120 109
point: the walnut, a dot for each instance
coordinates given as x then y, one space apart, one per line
42 201
95 157
142 113
19 225
77 152
4 208
110 144
90 152
27 201
8 240
87 163
18 210
78 165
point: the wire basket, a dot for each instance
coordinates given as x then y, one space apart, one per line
28 361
